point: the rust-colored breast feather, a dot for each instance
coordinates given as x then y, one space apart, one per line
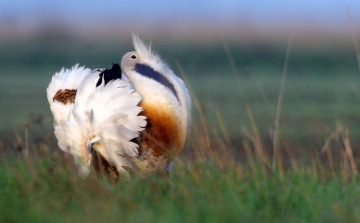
163 136
65 96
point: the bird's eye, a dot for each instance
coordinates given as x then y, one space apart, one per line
133 57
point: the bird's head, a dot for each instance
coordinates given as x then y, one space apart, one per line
129 61
142 55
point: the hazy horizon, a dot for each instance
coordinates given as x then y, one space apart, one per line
154 15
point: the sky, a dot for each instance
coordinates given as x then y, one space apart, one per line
320 13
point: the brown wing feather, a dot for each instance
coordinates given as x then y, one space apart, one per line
65 96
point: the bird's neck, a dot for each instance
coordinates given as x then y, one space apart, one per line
153 92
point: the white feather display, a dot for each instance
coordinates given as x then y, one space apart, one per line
104 118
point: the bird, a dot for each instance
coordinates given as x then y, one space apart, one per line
132 118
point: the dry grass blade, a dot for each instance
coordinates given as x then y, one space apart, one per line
19 141
345 167
276 156
250 156
314 168
26 149
294 164
326 148
353 36
319 165
262 92
258 144
245 134
353 87
222 127
348 150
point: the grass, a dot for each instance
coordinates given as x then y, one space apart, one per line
45 187
225 173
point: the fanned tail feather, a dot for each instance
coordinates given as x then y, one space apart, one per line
104 118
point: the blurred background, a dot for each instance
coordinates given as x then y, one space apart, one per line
38 38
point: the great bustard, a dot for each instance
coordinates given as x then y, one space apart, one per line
139 121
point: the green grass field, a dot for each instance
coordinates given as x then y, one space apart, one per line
47 189
222 174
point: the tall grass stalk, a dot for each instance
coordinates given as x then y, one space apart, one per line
26 149
354 89
353 36
249 153
291 155
348 150
259 148
262 93
277 155
223 127
326 148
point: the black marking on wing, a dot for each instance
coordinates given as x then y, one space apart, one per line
110 74
147 71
